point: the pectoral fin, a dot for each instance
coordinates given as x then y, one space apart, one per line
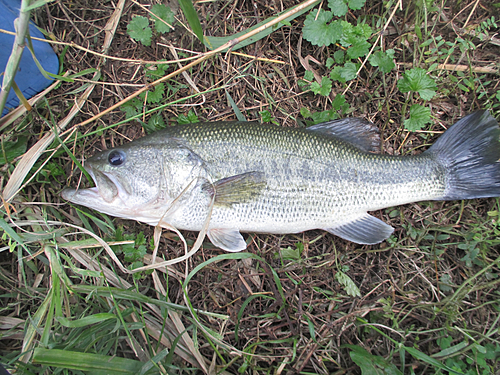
237 189
365 230
227 239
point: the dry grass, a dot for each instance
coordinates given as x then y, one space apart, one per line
436 280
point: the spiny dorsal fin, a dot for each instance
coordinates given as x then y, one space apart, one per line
240 188
355 130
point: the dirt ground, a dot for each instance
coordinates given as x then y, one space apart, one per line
288 311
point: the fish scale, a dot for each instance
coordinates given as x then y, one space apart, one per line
270 179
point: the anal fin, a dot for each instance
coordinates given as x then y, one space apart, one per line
365 230
227 239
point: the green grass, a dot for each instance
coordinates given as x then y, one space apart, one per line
426 301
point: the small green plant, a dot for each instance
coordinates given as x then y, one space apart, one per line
154 123
371 364
419 116
134 252
324 88
417 80
350 44
354 43
383 60
265 117
144 102
319 29
338 104
139 28
11 149
190 118
154 96
483 28
480 86
290 253
475 362
344 280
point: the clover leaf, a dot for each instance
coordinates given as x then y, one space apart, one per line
417 80
419 116
338 7
384 60
161 12
138 29
318 31
324 88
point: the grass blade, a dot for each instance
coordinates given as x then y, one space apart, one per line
192 17
86 361
12 234
235 108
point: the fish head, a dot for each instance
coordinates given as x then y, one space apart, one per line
140 180
129 182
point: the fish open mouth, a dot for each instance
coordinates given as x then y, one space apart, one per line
106 186
107 189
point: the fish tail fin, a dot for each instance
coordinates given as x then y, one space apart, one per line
470 152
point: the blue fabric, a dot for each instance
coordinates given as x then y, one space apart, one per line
28 78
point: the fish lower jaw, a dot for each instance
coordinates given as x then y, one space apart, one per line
80 195
89 196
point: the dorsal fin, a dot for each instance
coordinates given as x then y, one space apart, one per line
357 131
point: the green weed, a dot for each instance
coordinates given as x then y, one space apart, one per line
412 305
139 27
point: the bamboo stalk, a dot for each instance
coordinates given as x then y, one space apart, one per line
460 68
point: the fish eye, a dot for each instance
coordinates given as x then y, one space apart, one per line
116 158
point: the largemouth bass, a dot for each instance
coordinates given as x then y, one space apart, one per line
271 179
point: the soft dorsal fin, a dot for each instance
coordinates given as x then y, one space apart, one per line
240 188
364 229
359 132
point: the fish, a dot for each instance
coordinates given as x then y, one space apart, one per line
258 178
